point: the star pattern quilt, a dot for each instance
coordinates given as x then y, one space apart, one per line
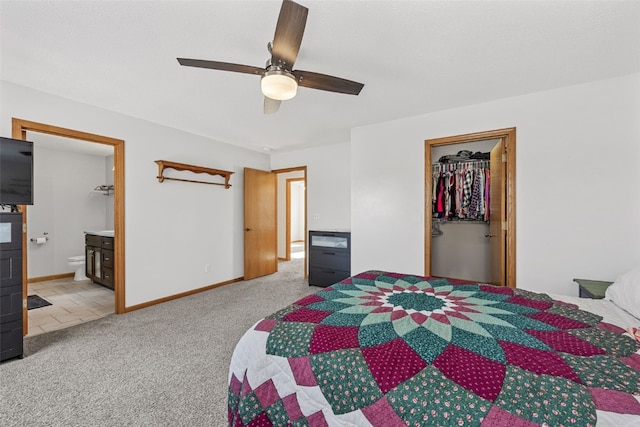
388 349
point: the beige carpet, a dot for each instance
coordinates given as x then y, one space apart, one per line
165 365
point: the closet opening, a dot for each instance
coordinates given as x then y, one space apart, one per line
470 207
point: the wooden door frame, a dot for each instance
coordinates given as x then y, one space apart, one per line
289 181
303 169
19 129
508 136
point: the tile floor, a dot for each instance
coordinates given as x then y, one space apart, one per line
71 303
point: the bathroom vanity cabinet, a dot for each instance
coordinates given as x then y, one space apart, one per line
99 259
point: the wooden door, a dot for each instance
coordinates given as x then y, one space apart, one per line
497 215
260 226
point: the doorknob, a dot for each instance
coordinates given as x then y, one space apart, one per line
247 229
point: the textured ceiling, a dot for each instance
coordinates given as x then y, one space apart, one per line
414 57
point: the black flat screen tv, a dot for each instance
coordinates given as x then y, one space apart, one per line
16 172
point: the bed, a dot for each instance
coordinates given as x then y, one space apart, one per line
389 349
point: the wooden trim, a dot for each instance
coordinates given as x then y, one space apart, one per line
182 294
428 208
508 135
472 137
510 141
306 227
52 277
293 169
288 214
19 128
287 221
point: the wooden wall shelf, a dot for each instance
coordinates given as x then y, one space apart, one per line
164 164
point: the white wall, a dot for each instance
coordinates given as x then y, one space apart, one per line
65 206
172 229
328 183
108 180
297 212
578 203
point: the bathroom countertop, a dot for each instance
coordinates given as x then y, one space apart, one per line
103 233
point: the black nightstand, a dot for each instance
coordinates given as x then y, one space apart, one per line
329 257
593 289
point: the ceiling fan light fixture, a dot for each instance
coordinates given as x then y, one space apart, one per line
279 85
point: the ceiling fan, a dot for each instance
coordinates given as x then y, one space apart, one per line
279 81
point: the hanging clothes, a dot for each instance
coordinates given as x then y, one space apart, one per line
439 200
476 194
461 190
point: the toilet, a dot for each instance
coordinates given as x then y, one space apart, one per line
77 263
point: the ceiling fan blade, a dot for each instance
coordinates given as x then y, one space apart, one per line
271 106
330 83
289 32
223 66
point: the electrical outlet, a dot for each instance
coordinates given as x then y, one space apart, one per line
207 268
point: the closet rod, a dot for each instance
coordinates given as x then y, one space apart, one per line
455 165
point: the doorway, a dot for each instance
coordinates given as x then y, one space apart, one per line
19 131
265 197
296 214
294 225
501 228
292 214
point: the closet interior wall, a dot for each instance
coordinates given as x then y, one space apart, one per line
462 249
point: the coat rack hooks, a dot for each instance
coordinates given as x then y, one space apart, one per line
164 164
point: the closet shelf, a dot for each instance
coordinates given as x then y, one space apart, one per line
164 164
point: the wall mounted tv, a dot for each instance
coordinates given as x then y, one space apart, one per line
16 172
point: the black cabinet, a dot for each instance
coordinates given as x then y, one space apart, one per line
99 259
329 257
10 285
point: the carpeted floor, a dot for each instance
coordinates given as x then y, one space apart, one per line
166 365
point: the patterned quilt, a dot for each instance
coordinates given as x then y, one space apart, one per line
388 349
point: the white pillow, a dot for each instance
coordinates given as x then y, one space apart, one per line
625 292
